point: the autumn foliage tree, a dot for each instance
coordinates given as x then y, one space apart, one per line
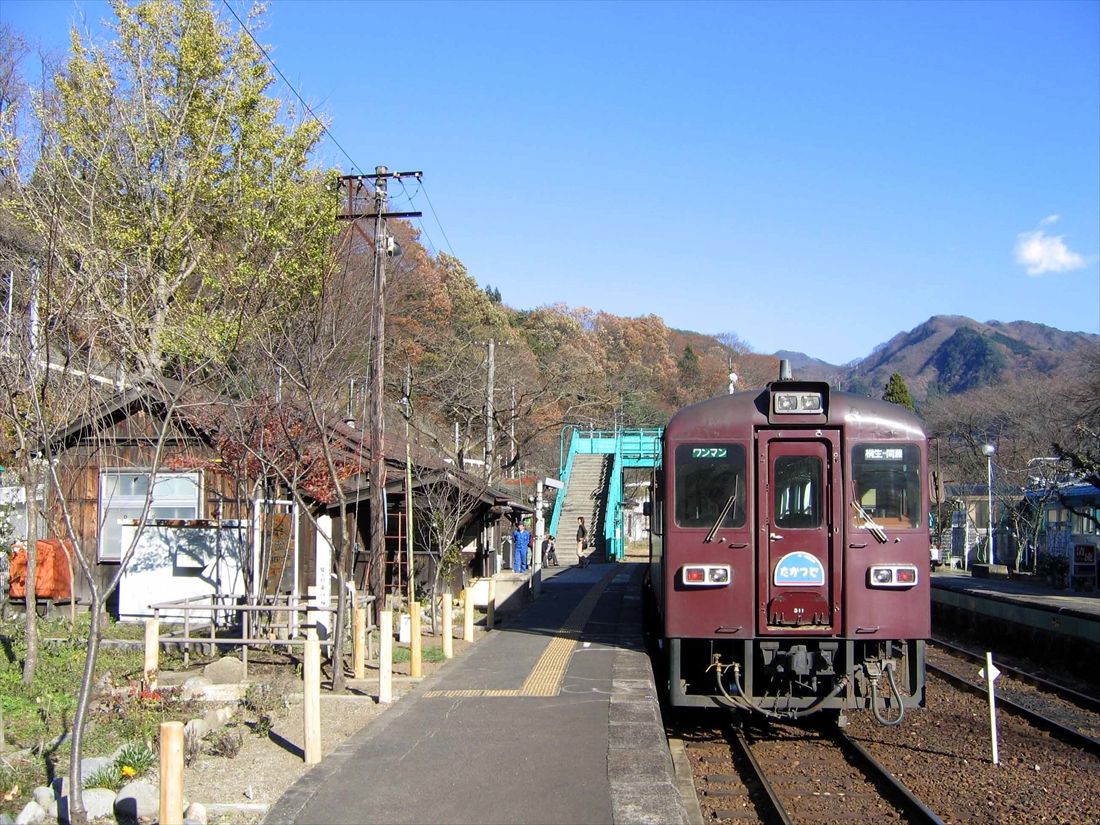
173 212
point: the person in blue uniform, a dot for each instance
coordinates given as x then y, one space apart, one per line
521 542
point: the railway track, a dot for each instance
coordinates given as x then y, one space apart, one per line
786 774
1063 712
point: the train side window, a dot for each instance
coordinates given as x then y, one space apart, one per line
886 480
797 485
655 508
706 475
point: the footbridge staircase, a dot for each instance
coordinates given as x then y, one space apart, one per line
592 464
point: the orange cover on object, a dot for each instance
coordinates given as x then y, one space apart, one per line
52 577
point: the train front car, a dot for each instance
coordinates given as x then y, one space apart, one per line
790 552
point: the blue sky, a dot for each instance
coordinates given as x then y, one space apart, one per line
814 177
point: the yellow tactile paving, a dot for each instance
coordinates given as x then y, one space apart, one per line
548 673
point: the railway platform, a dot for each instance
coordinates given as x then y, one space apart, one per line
1063 624
553 718
1036 595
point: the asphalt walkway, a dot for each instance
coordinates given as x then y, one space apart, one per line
552 718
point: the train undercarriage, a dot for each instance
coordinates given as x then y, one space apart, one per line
793 678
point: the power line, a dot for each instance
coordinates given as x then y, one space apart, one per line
279 72
438 222
411 198
332 137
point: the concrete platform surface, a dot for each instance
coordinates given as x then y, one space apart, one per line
1021 591
552 718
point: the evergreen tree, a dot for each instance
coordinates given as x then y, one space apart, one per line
897 392
688 365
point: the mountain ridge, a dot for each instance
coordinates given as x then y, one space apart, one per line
951 354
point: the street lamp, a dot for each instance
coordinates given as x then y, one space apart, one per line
988 450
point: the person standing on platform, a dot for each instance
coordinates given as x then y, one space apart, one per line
549 553
521 541
582 540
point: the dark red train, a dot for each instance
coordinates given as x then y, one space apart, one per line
789 553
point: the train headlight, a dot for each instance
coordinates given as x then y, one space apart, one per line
786 402
789 403
892 575
706 575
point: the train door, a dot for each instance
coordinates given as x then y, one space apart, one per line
799 568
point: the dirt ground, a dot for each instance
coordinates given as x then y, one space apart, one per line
238 791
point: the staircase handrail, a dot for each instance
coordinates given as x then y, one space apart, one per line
563 476
634 447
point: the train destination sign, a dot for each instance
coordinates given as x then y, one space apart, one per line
883 454
799 569
709 452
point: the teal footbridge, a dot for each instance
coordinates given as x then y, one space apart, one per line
629 448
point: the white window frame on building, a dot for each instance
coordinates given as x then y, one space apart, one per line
122 495
1082 524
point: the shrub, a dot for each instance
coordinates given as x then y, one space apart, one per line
261 701
225 742
1052 567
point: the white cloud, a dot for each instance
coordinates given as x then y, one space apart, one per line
1041 252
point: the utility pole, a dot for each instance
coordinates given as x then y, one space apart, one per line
408 485
352 186
489 458
512 435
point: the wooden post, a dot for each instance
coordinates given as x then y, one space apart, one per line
359 642
448 627
468 614
415 652
152 653
490 616
171 773
385 657
311 696
246 627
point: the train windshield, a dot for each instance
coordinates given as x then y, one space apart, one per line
707 475
886 479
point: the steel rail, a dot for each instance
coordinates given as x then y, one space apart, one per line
916 809
776 809
1071 735
1075 696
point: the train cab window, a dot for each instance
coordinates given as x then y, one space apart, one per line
886 478
706 476
797 486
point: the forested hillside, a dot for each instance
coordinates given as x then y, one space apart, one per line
951 354
554 365
574 365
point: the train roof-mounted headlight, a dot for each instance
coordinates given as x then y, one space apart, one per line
794 403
